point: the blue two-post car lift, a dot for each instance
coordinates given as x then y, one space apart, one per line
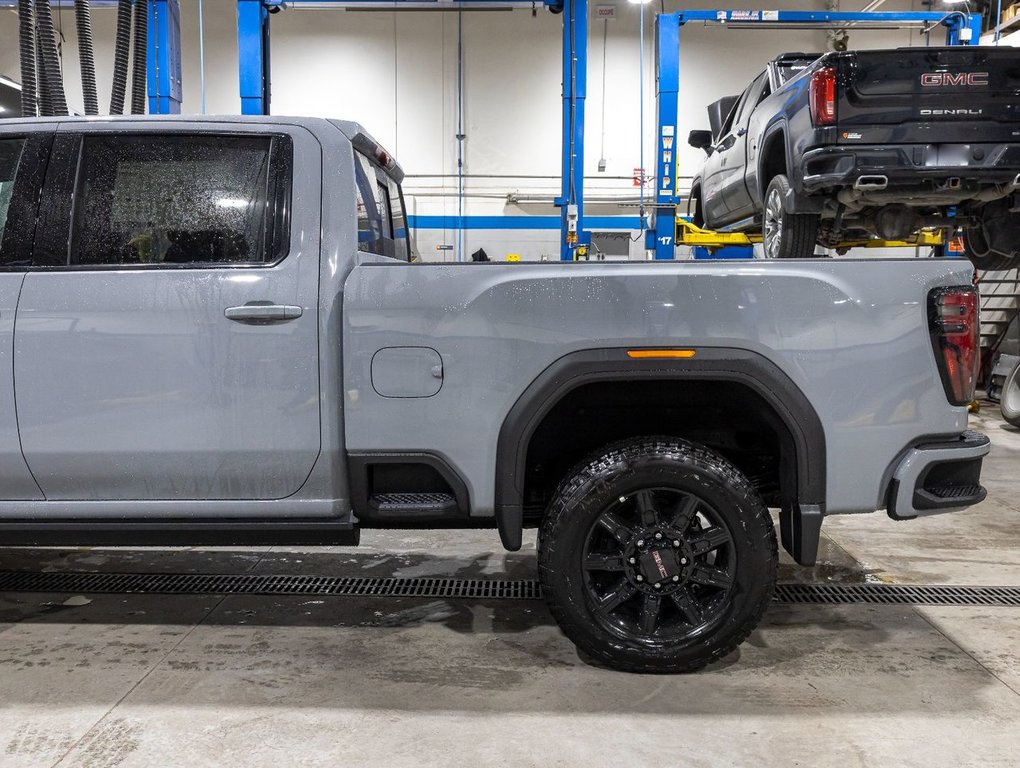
961 29
253 54
164 81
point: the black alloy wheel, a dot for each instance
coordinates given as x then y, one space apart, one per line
659 563
657 555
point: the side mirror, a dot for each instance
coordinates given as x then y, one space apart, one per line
701 140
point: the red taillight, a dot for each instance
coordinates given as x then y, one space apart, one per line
953 322
823 97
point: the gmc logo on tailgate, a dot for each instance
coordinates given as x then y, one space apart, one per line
949 79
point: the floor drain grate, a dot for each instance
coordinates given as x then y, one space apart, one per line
494 589
896 594
253 584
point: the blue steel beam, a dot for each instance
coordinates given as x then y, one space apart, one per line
667 27
667 36
253 56
575 89
164 55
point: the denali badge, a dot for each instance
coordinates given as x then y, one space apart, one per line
949 79
950 112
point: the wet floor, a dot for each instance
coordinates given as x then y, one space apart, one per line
149 680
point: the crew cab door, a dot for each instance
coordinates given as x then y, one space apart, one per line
166 344
732 182
23 158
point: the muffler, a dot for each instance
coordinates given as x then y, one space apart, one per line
896 222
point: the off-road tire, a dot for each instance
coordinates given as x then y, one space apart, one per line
668 465
786 235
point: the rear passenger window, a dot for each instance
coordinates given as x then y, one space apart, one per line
179 200
370 227
382 226
10 158
401 242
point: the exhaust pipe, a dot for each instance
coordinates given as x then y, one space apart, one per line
872 182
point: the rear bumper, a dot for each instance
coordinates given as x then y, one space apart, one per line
840 166
933 478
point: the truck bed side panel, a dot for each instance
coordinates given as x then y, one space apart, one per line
851 334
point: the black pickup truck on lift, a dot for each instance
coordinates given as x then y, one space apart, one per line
824 149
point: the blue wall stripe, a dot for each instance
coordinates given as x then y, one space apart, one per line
519 222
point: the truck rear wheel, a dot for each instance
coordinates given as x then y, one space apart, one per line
786 235
657 555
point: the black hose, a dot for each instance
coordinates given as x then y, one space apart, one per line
51 61
140 51
45 101
26 43
122 47
86 56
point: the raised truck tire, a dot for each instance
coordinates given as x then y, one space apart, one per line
786 235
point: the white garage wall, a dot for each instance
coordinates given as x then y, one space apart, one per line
396 73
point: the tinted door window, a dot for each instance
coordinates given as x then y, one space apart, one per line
152 200
751 98
10 158
370 228
382 224
401 240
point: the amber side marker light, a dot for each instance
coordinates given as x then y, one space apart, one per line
645 354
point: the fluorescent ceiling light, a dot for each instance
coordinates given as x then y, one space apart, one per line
639 2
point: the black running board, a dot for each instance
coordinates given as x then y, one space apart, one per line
177 532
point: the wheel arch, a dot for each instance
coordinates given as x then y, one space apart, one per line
694 200
742 367
773 157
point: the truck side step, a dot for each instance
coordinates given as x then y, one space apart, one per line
433 504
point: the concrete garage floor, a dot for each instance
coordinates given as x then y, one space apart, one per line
133 680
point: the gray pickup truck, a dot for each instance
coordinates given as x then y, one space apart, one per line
211 331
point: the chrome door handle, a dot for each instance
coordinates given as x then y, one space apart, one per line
258 312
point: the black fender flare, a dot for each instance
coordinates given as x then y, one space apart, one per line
710 363
778 126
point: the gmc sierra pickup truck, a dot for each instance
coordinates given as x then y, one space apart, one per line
825 149
211 331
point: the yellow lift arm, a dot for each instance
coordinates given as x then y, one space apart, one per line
689 234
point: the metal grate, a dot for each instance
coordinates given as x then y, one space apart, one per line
253 584
413 499
494 589
896 594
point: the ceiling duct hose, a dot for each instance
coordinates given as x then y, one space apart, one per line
45 102
26 42
51 61
86 55
122 47
139 54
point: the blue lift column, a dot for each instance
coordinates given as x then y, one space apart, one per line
575 88
667 27
667 49
164 54
253 56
